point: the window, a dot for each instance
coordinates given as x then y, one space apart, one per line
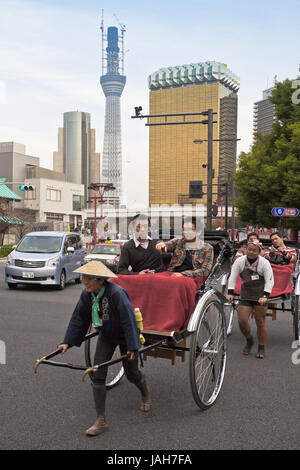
52 216
74 241
29 195
53 194
78 202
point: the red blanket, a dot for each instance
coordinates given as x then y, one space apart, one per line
282 280
166 303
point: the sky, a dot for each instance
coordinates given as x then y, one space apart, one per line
50 56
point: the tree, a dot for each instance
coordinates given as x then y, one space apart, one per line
269 175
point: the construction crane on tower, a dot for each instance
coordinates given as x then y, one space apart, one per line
123 29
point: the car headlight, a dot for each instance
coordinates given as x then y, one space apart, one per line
53 261
10 260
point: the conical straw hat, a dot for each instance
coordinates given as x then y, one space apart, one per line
95 268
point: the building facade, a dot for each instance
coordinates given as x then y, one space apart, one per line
76 156
13 166
112 84
55 202
176 163
263 114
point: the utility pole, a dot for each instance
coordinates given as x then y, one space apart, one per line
209 121
209 169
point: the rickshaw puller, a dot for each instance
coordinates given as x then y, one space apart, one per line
257 283
108 307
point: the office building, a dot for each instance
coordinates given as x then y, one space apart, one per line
76 156
56 203
177 166
13 166
263 114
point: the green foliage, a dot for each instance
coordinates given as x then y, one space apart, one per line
269 175
5 250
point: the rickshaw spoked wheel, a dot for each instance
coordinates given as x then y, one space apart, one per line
229 312
115 372
296 316
208 354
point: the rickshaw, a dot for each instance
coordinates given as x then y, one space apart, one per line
282 294
206 329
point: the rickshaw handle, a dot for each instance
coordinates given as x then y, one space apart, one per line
59 351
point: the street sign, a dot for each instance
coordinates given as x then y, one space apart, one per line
285 212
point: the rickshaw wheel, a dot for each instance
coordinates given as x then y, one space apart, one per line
208 354
229 309
115 372
229 312
296 317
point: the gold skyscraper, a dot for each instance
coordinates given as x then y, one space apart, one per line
175 161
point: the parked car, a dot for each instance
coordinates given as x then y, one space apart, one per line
47 258
107 252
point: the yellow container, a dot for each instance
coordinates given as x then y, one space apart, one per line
139 322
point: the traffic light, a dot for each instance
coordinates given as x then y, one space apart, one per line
27 187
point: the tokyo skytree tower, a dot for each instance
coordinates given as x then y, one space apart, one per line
112 83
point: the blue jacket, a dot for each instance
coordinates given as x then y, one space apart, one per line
120 327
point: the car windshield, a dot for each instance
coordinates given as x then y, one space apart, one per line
38 244
106 250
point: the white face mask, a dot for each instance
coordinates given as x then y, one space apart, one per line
189 235
142 233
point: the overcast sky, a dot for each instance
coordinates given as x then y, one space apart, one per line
50 56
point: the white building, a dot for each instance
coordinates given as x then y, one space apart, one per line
56 203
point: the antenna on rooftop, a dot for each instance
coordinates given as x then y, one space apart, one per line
102 40
123 29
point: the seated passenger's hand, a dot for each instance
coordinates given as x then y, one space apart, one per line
177 275
145 271
229 298
161 246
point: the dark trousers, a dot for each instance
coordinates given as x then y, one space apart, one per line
104 352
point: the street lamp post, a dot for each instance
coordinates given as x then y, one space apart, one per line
210 141
209 121
209 169
101 188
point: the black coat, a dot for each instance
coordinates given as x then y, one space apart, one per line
139 258
120 327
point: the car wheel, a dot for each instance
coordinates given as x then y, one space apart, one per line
62 281
12 285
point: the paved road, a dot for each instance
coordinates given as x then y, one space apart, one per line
258 407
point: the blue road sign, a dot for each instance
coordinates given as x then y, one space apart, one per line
277 211
285 212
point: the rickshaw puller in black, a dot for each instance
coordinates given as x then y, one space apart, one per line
107 305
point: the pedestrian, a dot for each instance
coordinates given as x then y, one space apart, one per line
257 282
108 307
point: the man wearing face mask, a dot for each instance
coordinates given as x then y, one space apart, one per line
140 252
191 256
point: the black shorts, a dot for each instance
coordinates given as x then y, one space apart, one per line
248 303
